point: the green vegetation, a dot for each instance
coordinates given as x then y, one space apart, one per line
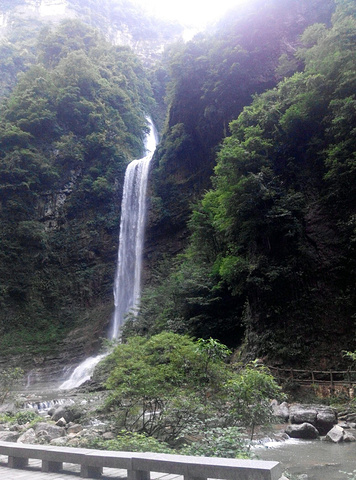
132 442
271 257
212 78
27 416
9 378
169 386
71 124
257 160
227 442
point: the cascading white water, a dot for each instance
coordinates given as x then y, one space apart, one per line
133 212
127 286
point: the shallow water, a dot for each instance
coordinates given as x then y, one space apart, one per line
319 460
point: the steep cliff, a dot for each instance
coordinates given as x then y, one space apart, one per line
213 78
120 21
270 262
67 131
72 117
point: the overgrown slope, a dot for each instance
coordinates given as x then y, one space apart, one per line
67 132
271 260
212 78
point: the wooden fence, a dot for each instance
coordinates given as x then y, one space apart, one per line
331 378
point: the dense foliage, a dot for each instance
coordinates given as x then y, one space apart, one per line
272 250
170 387
212 78
270 261
67 131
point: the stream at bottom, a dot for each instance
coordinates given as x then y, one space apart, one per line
312 459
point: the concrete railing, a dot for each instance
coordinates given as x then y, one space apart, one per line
139 465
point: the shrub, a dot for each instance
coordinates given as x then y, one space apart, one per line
26 416
132 442
8 379
219 442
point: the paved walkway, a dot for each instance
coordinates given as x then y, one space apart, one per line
70 472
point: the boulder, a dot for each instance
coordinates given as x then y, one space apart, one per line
69 413
348 437
7 436
59 442
16 428
322 417
61 422
59 413
299 414
280 410
27 437
8 408
74 442
76 428
336 434
345 426
51 411
48 430
351 417
326 418
306 431
43 438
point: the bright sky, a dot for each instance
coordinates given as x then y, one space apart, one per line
196 13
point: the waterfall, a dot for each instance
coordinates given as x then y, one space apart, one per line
127 286
133 212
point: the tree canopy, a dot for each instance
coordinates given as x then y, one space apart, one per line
68 129
167 384
271 260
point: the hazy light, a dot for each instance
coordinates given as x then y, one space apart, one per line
195 13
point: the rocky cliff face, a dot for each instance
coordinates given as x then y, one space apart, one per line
209 92
52 10
67 234
46 371
197 122
118 25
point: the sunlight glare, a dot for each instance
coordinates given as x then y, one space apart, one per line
195 13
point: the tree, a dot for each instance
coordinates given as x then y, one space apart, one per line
251 391
159 385
164 384
9 378
73 121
